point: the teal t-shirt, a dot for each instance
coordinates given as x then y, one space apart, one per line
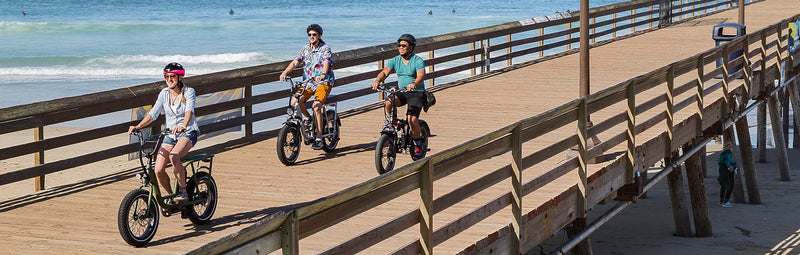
407 73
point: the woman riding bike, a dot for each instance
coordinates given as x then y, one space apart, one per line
177 101
410 70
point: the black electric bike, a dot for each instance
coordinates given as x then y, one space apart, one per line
138 215
396 136
296 130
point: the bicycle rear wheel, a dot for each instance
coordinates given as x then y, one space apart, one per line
137 222
206 189
330 142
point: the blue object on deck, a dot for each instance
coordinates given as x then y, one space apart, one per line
720 37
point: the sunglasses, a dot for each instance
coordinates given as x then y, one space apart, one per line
170 76
312 34
400 45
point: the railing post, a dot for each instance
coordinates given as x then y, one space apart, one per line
725 86
580 223
430 68
699 96
426 208
569 35
290 241
699 108
516 189
630 167
508 50
614 25
670 114
541 42
248 110
633 20
472 58
650 17
38 158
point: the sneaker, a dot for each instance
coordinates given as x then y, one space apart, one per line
317 144
181 197
417 153
727 205
720 204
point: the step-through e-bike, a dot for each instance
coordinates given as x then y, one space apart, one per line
139 211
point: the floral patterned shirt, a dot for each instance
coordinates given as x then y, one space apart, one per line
313 61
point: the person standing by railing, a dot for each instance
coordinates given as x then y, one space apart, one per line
727 168
410 70
317 60
177 100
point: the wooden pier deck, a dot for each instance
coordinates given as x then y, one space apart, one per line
81 218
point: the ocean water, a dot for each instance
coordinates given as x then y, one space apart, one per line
70 48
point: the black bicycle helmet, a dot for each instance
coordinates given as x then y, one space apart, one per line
408 38
175 68
314 27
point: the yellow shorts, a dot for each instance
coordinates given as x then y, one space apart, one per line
322 92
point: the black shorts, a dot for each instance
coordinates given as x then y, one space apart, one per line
414 99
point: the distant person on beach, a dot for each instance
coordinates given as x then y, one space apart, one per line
230 12
727 168
23 13
410 70
430 12
177 101
454 10
317 60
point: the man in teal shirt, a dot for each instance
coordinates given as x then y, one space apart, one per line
410 70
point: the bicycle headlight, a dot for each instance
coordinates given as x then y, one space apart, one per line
139 176
290 111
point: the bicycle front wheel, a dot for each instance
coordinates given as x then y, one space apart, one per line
136 220
289 144
385 154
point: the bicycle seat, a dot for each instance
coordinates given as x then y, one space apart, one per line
205 157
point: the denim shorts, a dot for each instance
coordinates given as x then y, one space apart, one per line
172 141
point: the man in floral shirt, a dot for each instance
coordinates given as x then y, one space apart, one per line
317 60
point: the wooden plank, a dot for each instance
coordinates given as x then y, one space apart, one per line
264 232
376 235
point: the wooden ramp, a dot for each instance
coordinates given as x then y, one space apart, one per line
253 184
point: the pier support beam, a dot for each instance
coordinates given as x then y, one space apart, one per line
697 193
748 165
777 133
680 210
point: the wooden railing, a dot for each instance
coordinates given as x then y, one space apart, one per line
38 115
684 88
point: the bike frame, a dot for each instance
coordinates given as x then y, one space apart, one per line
297 89
402 141
149 179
